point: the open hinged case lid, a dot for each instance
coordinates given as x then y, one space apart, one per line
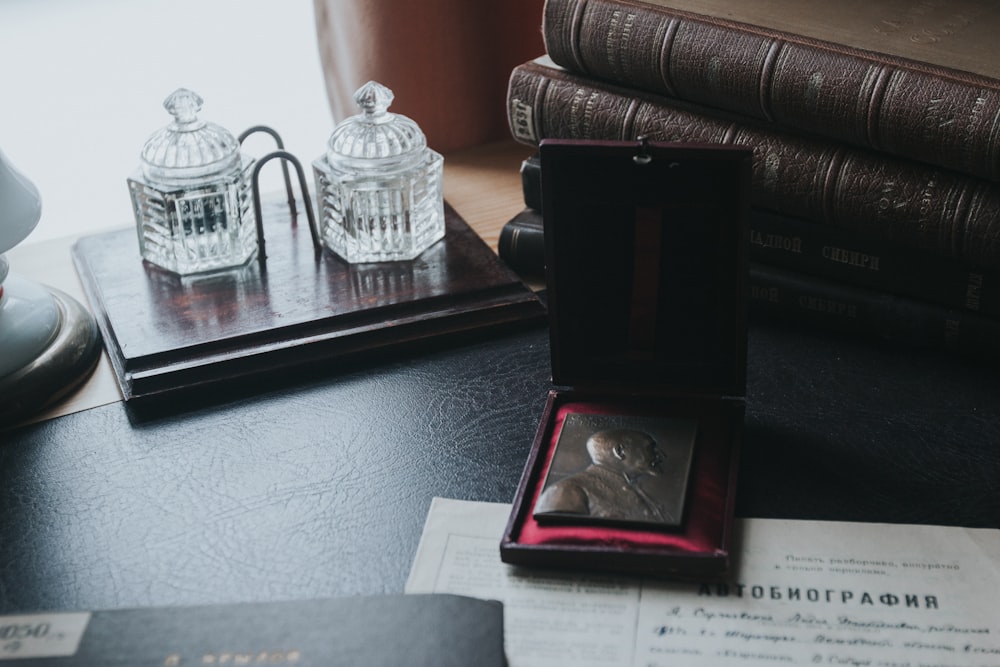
646 249
646 255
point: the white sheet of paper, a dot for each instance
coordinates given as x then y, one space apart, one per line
803 592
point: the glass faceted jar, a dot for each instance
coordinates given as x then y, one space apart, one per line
379 185
191 194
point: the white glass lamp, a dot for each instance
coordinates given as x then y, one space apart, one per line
49 342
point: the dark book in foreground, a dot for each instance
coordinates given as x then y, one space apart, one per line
779 293
431 630
903 202
854 258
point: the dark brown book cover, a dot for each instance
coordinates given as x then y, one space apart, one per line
916 79
901 201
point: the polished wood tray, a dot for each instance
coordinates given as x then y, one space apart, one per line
165 332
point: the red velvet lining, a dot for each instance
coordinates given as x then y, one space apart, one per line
705 516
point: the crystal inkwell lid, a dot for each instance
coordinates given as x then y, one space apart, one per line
189 148
375 139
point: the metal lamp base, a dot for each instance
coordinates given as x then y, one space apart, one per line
60 353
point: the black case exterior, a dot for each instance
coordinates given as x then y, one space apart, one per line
646 267
431 630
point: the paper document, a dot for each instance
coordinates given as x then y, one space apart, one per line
803 592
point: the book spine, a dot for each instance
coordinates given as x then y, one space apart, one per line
793 297
900 201
790 297
531 181
813 249
857 259
521 244
908 108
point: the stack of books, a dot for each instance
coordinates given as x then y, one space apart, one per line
875 126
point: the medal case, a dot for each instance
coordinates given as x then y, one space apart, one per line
646 256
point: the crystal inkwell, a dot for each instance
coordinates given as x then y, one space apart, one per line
379 185
191 194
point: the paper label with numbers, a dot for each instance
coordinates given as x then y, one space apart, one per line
41 635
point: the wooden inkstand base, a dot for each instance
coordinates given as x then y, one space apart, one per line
165 332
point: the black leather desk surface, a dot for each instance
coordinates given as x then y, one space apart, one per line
320 488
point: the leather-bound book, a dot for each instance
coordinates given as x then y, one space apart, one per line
521 244
838 308
902 201
794 282
916 79
811 248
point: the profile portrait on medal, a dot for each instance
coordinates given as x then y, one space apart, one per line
615 469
